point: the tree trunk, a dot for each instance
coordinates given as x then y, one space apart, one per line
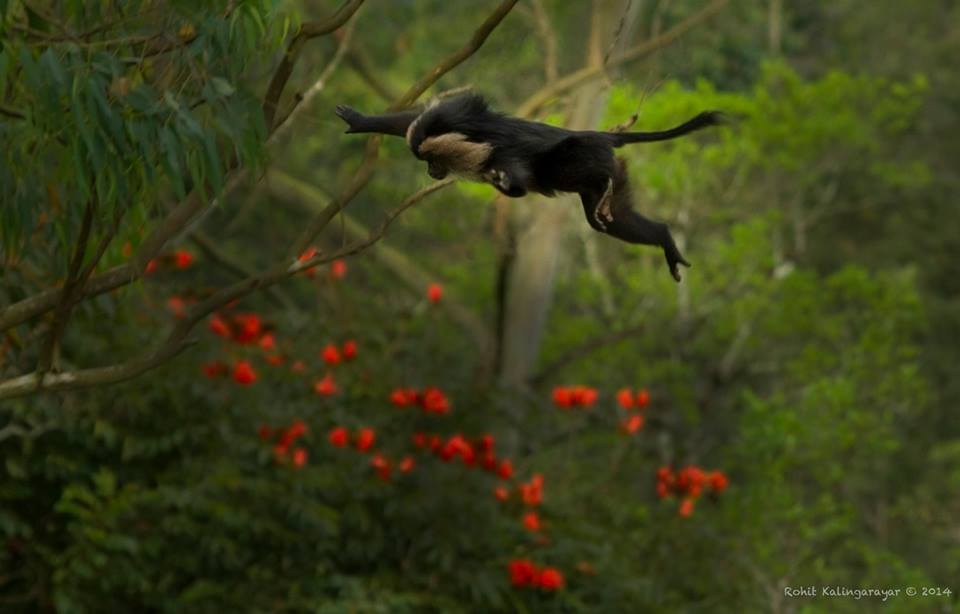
544 234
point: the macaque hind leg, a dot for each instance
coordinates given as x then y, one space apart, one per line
630 226
394 124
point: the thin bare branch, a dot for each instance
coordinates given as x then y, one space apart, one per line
62 313
473 45
536 101
306 32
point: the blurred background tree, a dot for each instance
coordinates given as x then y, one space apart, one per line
251 364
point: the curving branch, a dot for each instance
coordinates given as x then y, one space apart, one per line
363 174
172 225
181 215
306 32
473 45
540 98
178 339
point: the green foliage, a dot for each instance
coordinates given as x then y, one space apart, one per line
808 354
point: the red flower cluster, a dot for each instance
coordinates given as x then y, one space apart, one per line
532 491
524 573
340 437
286 438
365 439
479 452
338 268
325 386
215 369
309 253
333 355
574 396
243 373
242 328
182 259
627 399
689 483
178 306
432 400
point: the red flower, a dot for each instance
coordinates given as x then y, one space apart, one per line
522 572
486 443
531 521
625 398
690 480
501 493
365 439
339 437
309 253
244 374
489 461
532 493
248 327
297 429
407 464
349 349
434 401
562 397
218 326
420 440
265 432
338 268
150 268
401 397
331 355
299 457
298 366
663 490
434 293
643 397
267 342
177 305
215 369
718 481
686 507
583 396
182 259
550 579
382 465
632 424
505 470
325 387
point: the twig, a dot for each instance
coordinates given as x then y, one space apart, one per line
545 30
544 95
302 101
187 209
306 32
213 253
73 280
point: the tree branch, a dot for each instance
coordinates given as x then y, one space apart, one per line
307 31
473 45
536 101
70 284
187 209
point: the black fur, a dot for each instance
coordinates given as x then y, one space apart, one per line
533 157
